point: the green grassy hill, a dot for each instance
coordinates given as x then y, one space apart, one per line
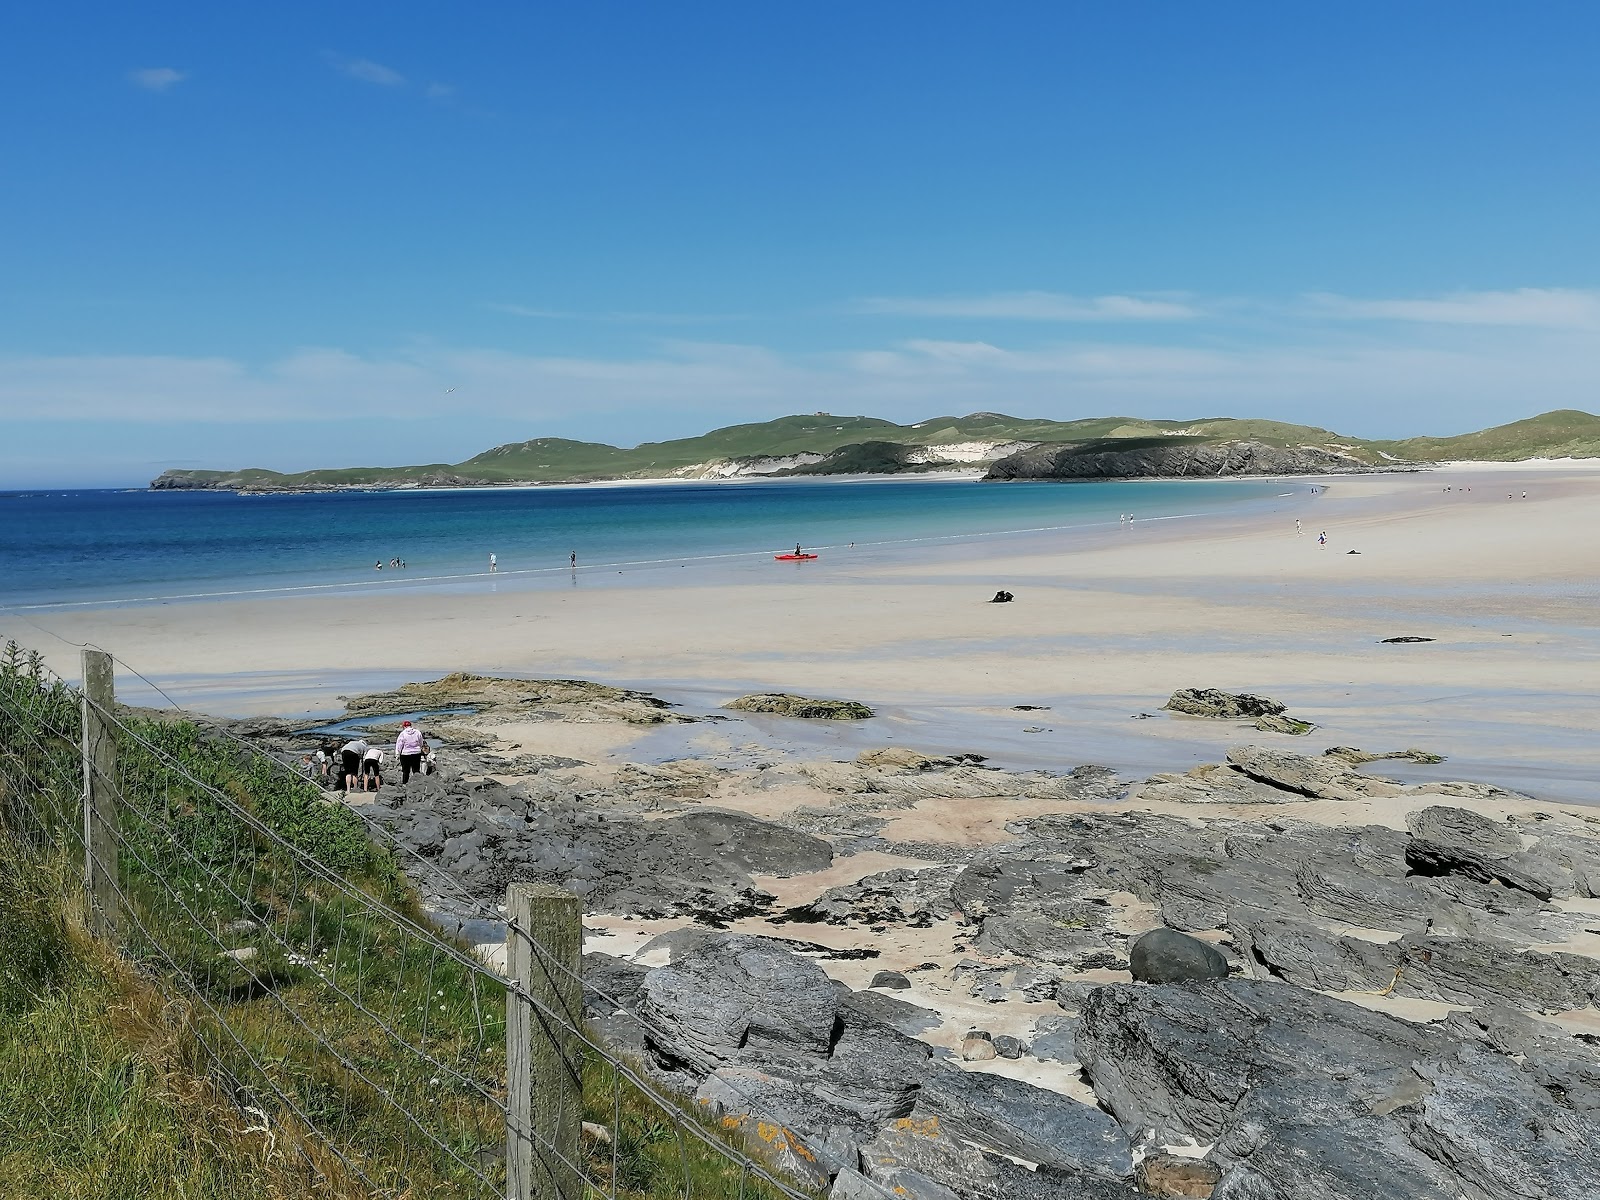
1566 433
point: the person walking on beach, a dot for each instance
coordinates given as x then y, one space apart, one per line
1322 538
574 560
408 749
1298 532
350 755
494 564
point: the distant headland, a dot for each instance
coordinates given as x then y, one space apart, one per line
1004 447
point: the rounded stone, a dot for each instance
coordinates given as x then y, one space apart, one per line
1167 956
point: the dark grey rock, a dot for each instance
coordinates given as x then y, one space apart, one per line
890 979
1446 840
898 897
1015 1118
734 993
909 1019
1167 956
1315 1099
1055 1039
1007 1046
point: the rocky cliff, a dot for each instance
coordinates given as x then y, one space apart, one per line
1169 457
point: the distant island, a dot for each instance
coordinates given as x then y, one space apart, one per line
1005 447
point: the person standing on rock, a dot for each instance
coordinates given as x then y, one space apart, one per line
372 769
408 749
350 756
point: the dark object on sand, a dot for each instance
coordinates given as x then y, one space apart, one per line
1167 956
1401 641
1030 708
1352 552
808 707
1002 597
1209 702
889 979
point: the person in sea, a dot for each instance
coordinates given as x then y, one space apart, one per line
372 769
408 749
797 551
350 756
494 563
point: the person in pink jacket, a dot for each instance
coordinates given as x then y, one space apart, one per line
408 749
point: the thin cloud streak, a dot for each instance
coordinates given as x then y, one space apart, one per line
157 79
366 70
1030 306
1546 308
1379 386
623 317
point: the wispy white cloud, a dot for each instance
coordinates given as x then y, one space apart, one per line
156 79
366 70
1377 385
1032 306
439 91
1548 308
619 316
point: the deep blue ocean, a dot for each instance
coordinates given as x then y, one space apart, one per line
95 546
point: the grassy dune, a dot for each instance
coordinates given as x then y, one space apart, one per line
1567 433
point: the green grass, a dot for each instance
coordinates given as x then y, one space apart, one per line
103 1091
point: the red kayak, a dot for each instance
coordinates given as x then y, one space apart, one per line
794 557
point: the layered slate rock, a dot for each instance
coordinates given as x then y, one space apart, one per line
697 863
732 993
1309 1098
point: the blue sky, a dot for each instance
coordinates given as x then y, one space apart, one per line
279 235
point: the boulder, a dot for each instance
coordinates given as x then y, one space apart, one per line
734 992
1209 702
1167 956
890 979
788 705
1007 1046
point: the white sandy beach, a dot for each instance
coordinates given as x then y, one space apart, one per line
1106 624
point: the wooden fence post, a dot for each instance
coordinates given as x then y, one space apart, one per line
544 1085
100 820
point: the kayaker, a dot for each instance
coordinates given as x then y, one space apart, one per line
797 549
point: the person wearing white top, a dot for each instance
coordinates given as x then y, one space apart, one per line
371 769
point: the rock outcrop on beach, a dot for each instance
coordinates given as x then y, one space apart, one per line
1170 458
519 699
785 704
1269 715
1296 1094
1210 999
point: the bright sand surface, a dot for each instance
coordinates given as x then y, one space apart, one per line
1105 625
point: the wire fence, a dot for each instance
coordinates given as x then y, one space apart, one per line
390 1055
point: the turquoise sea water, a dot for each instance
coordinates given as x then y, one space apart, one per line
98 546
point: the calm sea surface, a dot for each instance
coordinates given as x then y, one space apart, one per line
97 546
